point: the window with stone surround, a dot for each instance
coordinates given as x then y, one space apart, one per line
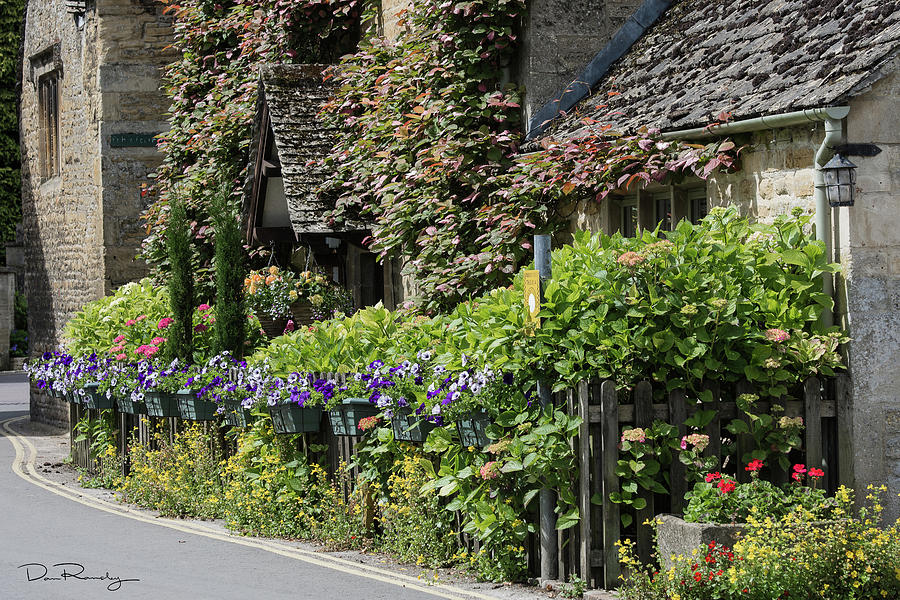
662 206
48 117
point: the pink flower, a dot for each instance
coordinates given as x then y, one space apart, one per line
121 338
630 259
800 468
151 350
816 472
122 356
777 335
204 307
754 465
157 341
290 325
130 322
710 477
165 322
490 470
142 317
726 485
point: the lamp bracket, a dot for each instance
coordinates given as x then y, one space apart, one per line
857 150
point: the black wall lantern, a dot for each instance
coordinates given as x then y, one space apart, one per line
840 181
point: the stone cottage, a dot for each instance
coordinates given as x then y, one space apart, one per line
795 82
281 208
90 108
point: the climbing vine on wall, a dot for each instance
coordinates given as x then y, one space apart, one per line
213 89
11 14
428 151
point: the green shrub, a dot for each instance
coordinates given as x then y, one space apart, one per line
849 557
97 325
231 314
181 282
180 479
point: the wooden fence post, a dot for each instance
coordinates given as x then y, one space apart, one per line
812 402
584 483
610 434
843 409
714 428
745 442
643 417
677 472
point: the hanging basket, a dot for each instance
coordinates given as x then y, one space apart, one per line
273 327
302 313
129 407
192 408
409 427
161 404
291 418
345 417
472 429
235 414
94 399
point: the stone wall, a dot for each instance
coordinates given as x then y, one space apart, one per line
869 251
775 175
7 313
62 215
82 226
560 38
133 44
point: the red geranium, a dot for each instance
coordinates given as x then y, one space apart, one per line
754 465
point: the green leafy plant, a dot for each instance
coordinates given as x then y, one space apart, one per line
644 454
774 437
231 319
181 283
720 499
99 431
575 588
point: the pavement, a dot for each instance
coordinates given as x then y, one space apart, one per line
61 541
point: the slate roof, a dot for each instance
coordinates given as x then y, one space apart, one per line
294 94
747 57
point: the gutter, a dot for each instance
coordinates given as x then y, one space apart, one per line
833 117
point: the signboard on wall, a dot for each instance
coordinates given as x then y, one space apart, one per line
128 140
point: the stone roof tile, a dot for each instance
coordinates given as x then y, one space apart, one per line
747 57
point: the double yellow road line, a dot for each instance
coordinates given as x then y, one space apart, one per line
23 466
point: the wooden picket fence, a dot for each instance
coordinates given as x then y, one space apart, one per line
591 546
589 550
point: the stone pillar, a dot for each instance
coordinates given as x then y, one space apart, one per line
7 313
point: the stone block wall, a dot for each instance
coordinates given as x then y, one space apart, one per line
82 226
869 252
560 38
45 408
7 313
62 215
133 44
775 175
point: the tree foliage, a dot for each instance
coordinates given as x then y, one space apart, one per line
231 317
181 282
11 14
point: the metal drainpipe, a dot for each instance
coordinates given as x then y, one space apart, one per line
833 135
